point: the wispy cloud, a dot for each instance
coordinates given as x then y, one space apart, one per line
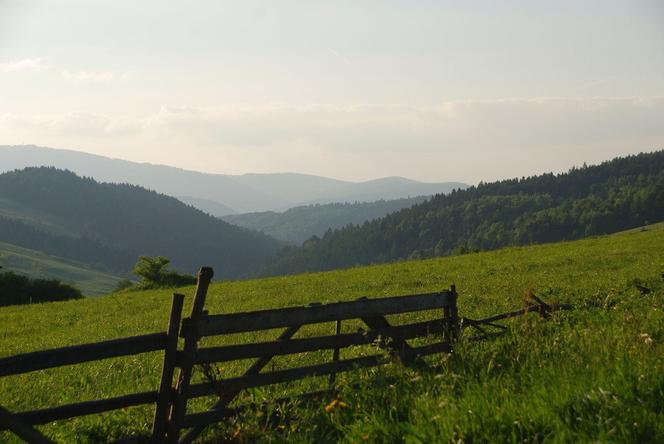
84 76
95 76
34 64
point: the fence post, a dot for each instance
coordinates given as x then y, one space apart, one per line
179 404
335 353
454 314
164 400
451 317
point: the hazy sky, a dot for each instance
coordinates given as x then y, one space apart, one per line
431 90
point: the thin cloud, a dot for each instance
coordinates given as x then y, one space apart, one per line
39 64
95 76
26 65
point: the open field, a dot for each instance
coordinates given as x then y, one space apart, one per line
594 374
42 266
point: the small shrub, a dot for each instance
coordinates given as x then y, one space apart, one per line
153 274
16 289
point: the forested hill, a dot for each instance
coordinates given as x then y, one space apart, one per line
300 223
619 194
110 225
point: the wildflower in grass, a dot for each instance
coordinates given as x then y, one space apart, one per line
330 407
646 338
336 404
236 435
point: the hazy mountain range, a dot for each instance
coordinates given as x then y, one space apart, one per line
298 224
108 226
221 194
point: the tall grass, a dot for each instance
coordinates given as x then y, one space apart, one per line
593 374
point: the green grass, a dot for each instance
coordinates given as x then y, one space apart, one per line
40 265
595 374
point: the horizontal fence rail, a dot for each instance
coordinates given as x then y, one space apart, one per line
79 354
294 374
44 416
285 317
280 347
280 376
535 308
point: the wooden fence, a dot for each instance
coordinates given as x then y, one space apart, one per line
371 312
22 423
173 423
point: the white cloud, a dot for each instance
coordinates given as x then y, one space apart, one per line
26 65
532 123
468 140
80 123
84 76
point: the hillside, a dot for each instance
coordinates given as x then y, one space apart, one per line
590 375
239 193
210 207
38 265
110 225
298 224
616 195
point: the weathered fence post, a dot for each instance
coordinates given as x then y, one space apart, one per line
451 317
454 314
335 353
165 388
179 405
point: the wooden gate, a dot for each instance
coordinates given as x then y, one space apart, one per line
392 338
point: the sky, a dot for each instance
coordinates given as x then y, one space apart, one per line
431 90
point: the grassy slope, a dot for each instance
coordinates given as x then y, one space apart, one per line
39 265
586 375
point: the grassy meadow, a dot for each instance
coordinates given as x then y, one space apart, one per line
595 374
36 264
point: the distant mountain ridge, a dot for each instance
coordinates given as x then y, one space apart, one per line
223 193
109 225
298 224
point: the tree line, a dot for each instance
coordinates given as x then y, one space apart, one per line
590 200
